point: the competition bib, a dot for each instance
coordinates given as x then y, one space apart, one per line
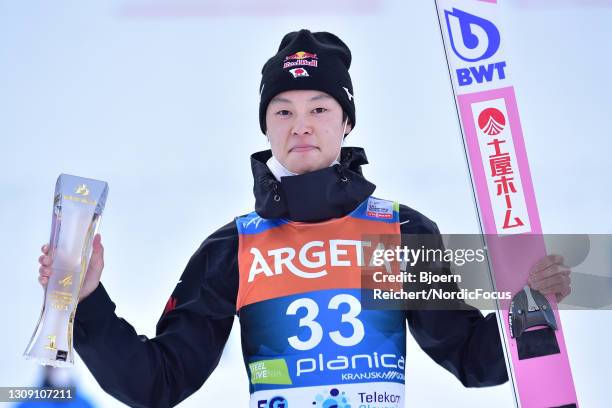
306 340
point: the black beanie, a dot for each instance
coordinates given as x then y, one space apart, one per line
309 61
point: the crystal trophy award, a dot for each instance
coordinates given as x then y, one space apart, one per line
77 207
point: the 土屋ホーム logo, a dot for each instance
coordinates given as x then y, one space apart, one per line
491 121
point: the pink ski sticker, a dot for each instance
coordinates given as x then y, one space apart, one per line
509 215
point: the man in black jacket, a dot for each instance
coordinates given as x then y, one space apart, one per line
291 271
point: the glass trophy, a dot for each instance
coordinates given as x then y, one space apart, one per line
77 208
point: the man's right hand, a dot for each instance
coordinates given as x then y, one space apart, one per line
92 276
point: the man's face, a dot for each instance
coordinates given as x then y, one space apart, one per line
305 129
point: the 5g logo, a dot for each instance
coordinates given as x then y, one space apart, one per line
316 331
472 38
276 402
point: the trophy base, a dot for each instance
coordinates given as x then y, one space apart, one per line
49 361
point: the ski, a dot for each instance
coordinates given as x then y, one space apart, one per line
481 79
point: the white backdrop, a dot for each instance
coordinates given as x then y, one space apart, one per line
161 102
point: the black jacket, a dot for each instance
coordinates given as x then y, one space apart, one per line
196 323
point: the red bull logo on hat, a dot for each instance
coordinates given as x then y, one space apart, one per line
301 58
300 55
309 63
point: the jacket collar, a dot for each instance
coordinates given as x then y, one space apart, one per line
316 196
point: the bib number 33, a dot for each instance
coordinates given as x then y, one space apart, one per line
316 331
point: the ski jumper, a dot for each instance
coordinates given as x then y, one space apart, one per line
290 271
